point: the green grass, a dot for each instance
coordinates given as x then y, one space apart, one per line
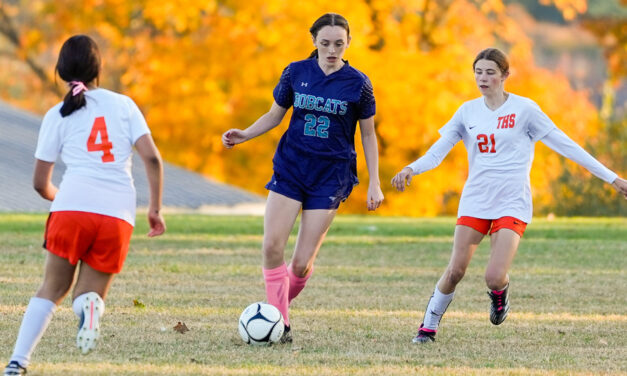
359 312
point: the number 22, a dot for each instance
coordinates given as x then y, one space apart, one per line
321 130
105 145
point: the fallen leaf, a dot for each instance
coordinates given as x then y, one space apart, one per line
181 328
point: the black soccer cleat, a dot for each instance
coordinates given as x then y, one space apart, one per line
14 369
424 335
500 305
287 335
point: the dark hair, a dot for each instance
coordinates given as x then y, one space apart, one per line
496 56
79 60
327 19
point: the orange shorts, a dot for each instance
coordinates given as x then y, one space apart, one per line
99 240
493 225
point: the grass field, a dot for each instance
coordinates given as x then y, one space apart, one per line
359 312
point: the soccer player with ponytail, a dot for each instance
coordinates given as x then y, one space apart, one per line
315 161
92 213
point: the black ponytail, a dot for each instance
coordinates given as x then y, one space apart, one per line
78 64
72 102
327 19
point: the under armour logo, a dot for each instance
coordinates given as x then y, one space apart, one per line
304 84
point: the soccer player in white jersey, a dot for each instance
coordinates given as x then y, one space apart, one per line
499 130
93 211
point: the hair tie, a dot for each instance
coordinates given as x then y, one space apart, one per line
77 87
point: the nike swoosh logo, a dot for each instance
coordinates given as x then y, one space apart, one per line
472 127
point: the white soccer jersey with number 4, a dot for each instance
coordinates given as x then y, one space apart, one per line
95 143
500 147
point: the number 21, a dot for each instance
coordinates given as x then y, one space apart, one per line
486 146
105 145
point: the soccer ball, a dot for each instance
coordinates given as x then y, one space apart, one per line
261 324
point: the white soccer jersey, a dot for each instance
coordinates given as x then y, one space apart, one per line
96 144
500 147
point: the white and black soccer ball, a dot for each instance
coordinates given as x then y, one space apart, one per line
261 324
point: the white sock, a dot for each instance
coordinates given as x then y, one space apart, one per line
34 323
435 309
77 305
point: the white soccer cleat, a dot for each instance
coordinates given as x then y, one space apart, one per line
89 327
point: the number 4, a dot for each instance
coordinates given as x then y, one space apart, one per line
105 146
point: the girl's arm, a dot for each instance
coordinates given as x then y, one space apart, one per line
430 160
266 122
42 179
371 151
562 144
149 154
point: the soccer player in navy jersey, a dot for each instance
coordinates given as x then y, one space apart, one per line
315 161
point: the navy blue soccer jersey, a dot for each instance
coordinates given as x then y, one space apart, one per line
326 110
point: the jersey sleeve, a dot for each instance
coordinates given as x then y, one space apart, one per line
433 157
539 123
137 122
49 140
561 143
367 104
283 92
453 130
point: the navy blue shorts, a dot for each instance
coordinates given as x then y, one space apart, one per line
316 183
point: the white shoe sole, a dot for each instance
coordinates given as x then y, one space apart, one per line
422 340
88 333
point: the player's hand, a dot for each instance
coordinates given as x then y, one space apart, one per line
156 222
402 178
621 186
375 196
233 137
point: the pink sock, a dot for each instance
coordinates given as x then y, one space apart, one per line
277 289
297 284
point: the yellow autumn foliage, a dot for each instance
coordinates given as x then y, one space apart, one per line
199 67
